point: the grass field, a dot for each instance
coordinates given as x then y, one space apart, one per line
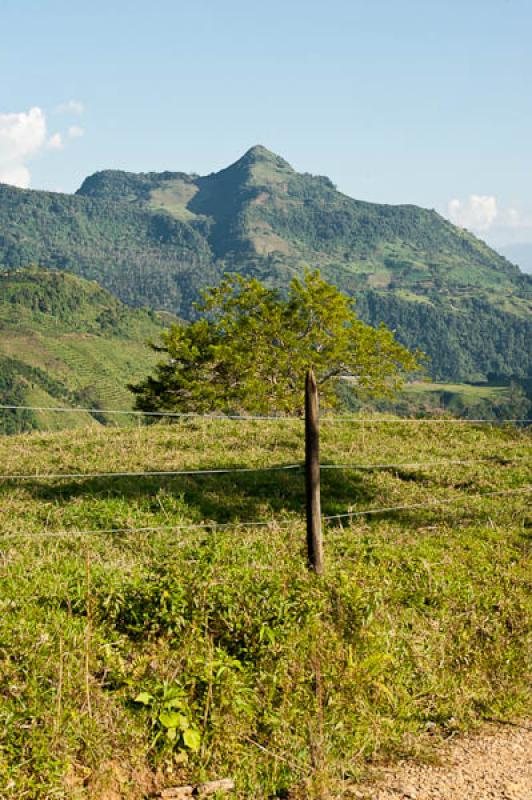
480 391
147 652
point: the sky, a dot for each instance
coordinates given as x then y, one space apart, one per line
397 101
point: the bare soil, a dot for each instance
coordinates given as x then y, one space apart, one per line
495 764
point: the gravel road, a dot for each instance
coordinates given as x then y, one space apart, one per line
493 765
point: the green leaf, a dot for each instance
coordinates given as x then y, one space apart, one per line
171 719
171 734
175 702
192 739
145 698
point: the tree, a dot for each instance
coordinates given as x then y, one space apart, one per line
252 346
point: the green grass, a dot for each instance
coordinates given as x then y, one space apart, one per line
466 389
103 365
471 400
420 627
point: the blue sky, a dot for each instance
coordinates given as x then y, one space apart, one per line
398 101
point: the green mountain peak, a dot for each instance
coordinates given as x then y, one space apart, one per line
258 154
156 239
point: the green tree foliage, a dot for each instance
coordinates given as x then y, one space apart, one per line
251 349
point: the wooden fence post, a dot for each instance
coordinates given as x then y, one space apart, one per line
312 474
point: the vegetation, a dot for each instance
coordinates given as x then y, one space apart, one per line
151 632
145 258
157 239
66 341
252 347
500 400
288 683
510 400
260 206
473 341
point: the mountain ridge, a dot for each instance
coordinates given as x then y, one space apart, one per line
157 238
260 183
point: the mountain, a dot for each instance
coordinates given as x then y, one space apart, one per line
145 258
157 238
261 208
66 341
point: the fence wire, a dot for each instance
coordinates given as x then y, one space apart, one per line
499 460
214 526
132 412
430 504
327 418
154 474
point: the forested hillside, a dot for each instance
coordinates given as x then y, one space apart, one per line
260 211
145 258
66 341
470 338
155 239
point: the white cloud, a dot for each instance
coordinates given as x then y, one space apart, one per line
22 136
514 219
75 132
477 213
55 142
511 227
71 107
15 175
483 215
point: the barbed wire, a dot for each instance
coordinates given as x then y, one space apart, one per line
496 459
258 417
154 474
164 414
267 523
435 503
422 420
156 528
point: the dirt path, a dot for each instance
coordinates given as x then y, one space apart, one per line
494 765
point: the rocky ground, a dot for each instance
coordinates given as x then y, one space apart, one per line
493 765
